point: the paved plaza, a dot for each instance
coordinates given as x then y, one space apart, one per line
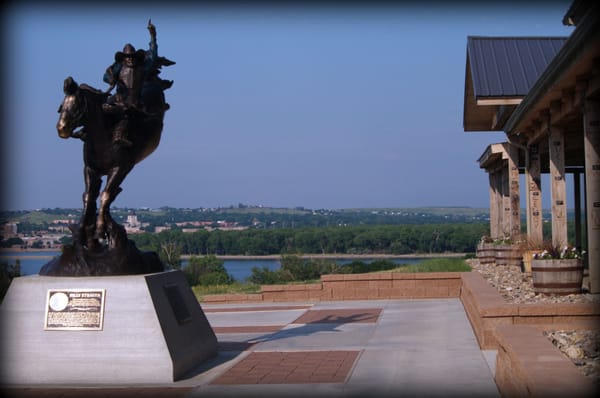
328 349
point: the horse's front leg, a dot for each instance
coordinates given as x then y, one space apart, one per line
111 190
87 225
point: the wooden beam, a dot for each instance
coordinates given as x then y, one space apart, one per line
513 190
591 134
499 101
494 210
505 200
533 182
577 199
538 131
568 105
593 89
558 187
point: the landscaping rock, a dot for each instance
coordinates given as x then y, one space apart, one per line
582 347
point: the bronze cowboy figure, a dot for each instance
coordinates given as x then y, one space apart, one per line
128 73
118 131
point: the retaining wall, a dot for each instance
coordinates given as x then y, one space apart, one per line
529 365
487 310
374 286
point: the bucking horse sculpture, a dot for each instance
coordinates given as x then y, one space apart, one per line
100 245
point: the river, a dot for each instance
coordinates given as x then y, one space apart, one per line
239 267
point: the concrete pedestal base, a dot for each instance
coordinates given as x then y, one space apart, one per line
154 331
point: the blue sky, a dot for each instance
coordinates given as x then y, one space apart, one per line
322 107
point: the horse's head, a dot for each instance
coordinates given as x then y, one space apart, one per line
72 109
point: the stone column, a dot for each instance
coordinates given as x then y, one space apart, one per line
513 191
558 186
591 137
533 187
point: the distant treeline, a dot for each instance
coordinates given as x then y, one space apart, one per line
371 239
259 218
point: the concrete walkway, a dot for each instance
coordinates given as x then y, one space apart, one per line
331 349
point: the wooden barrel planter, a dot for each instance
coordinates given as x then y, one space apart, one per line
557 276
527 258
508 255
486 253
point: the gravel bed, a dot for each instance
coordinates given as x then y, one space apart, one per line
582 347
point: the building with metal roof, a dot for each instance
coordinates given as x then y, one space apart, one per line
544 93
500 71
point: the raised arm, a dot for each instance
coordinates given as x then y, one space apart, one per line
153 50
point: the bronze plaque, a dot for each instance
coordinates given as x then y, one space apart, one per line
74 309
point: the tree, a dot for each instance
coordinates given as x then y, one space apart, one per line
207 270
264 276
14 241
295 268
38 244
170 254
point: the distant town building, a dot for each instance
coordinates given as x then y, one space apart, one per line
132 220
61 225
133 224
9 230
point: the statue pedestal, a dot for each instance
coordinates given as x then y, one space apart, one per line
151 330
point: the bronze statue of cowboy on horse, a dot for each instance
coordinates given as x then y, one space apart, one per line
118 131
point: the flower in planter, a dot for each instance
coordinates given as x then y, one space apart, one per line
486 239
566 252
507 240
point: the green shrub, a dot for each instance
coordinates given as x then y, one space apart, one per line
360 267
294 269
231 288
264 276
207 270
437 265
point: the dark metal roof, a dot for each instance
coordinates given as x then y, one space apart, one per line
576 58
507 67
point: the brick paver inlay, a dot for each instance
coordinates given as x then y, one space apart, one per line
291 368
354 315
248 329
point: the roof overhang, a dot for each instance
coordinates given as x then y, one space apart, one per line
492 155
498 101
576 63
478 116
499 74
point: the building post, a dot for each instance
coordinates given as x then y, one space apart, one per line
577 199
506 209
497 221
493 203
558 186
591 138
533 185
513 190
